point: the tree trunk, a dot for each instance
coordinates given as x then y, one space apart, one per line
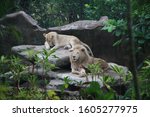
132 48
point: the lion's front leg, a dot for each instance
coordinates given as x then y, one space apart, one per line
47 45
75 71
82 72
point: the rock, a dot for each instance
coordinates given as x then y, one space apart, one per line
58 76
75 79
62 74
103 18
63 62
62 55
19 28
81 25
31 32
21 18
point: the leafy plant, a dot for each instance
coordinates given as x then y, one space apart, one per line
140 30
66 84
118 28
33 82
94 70
45 64
93 91
4 91
17 69
94 9
3 68
144 76
24 94
33 58
52 95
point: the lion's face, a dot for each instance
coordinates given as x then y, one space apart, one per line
49 39
78 53
75 55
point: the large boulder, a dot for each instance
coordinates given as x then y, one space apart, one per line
19 28
28 27
62 61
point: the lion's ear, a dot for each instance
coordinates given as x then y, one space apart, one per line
82 49
44 34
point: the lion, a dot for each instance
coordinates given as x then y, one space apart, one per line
80 59
60 40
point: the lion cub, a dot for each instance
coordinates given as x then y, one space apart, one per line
80 59
66 41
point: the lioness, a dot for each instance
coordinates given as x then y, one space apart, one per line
66 41
80 59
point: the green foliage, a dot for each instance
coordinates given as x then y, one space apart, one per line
10 31
53 13
6 6
140 27
9 36
118 28
3 62
145 80
124 74
108 80
45 61
141 32
4 67
94 9
25 94
52 95
33 82
4 90
66 84
94 70
95 92
17 69
19 72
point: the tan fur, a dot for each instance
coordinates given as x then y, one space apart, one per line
59 40
80 59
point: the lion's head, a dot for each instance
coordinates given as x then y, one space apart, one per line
50 39
79 54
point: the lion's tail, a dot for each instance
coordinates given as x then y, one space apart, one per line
90 51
